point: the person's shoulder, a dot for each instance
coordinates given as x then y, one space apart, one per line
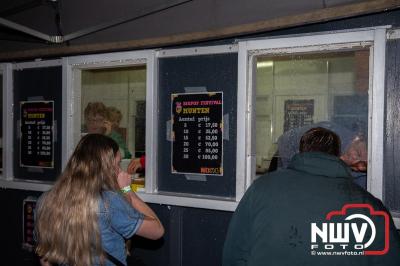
269 182
111 199
362 191
274 176
115 134
367 197
110 195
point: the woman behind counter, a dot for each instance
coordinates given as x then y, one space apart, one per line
91 210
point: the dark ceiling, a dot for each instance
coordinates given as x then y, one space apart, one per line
94 25
62 17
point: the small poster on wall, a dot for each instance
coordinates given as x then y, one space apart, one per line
298 113
28 210
37 134
197 140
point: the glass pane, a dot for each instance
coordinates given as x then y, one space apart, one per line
299 91
113 103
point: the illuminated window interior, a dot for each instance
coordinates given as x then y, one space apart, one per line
297 91
113 102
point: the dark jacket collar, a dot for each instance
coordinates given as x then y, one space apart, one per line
317 163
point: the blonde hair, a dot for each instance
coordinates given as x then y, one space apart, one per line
114 116
95 108
67 217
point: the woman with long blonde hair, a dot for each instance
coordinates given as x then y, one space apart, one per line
90 211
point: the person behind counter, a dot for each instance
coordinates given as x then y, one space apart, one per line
90 211
94 116
111 123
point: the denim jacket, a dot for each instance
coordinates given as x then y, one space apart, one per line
118 220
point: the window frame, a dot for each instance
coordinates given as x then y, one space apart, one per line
330 41
124 59
245 153
72 94
5 70
7 180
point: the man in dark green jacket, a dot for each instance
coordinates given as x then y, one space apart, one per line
287 217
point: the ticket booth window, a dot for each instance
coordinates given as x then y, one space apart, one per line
113 103
140 84
335 80
299 91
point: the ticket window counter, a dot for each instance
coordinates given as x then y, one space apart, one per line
302 90
330 80
284 85
141 87
233 101
334 80
113 103
110 98
158 93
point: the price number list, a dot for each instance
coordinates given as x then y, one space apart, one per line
197 131
37 134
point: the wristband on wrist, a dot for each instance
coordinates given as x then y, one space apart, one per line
126 189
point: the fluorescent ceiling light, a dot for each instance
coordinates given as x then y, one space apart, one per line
265 64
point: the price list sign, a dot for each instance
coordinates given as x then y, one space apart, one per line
197 125
298 113
37 134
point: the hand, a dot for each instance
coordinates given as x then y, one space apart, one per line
124 179
359 166
107 127
134 166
